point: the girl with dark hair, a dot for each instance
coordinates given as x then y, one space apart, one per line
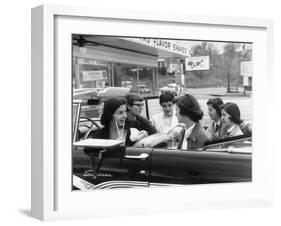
188 111
116 126
231 119
215 130
114 120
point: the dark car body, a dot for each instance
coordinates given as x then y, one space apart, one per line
222 161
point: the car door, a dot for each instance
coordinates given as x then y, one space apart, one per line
198 167
130 170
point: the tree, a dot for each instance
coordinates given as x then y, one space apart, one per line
205 49
224 67
229 55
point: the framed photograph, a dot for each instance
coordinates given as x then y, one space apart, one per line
136 113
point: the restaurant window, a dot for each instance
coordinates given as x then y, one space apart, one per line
146 81
90 73
125 75
138 79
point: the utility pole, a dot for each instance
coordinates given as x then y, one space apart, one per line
228 81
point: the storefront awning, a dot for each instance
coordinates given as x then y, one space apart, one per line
160 48
164 48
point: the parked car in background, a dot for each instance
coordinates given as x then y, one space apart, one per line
172 87
141 89
127 84
113 92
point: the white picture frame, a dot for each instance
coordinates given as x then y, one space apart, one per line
52 198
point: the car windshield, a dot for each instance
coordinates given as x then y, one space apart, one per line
242 144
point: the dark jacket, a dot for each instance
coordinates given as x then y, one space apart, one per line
197 138
142 123
103 133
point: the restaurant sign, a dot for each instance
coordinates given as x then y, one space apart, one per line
246 68
91 62
197 63
94 75
164 44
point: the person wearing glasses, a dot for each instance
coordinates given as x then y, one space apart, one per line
135 104
216 130
188 111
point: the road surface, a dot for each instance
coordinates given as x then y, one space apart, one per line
245 103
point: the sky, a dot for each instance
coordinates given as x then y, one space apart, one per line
218 45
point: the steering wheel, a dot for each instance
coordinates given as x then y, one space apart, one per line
89 127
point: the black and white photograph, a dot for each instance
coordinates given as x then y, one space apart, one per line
150 112
139 112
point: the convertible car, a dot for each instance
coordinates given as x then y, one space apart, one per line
221 161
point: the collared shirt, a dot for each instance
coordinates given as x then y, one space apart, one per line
216 130
187 135
217 125
163 123
234 130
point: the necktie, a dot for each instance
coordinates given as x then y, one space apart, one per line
185 139
184 142
217 126
181 138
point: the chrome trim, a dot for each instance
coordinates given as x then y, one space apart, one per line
85 185
142 156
